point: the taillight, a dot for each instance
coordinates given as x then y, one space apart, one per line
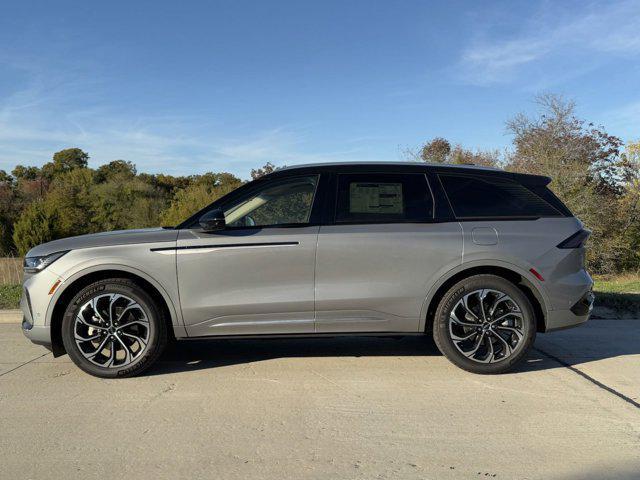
576 240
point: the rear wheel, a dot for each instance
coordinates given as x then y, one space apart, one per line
113 328
484 324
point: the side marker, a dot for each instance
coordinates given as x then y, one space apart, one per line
536 274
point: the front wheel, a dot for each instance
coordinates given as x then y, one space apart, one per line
113 328
484 324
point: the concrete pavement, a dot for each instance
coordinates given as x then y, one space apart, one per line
347 408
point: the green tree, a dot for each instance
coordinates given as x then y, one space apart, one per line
127 202
631 207
199 194
21 172
8 214
64 161
36 225
117 169
71 197
167 184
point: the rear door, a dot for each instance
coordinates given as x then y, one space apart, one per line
380 253
257 275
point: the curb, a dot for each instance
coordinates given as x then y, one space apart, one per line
10 316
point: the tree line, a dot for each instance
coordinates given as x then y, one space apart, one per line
65 197
593 172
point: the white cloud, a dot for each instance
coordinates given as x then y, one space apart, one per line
557 38
155 146
53 112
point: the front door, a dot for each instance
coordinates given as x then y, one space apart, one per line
257 275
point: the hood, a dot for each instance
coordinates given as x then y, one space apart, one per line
106 239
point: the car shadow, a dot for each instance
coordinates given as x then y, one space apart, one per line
194 355
616 305
600 340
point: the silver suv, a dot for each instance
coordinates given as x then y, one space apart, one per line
480 258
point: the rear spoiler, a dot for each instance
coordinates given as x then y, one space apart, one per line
528 179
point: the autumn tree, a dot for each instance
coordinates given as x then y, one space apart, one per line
587 169
436 151
261 172
439 150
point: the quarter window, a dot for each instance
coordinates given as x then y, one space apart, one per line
284 202
383 198
486 197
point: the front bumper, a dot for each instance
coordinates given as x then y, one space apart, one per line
34 304
572 317
40 335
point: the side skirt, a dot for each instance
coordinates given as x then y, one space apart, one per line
307 335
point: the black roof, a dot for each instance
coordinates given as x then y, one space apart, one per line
408 167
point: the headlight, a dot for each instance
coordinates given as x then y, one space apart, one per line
37 264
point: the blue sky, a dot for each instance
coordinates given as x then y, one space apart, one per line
185 87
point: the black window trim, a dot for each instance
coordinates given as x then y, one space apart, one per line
192 222
335 187
325 197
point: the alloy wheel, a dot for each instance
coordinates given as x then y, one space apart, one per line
111 330
486 326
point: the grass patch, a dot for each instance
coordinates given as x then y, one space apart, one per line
620 294
10 296
626 283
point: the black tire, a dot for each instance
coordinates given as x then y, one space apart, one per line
443 336
155 330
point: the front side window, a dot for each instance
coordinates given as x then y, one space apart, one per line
281 202
382 197
488 197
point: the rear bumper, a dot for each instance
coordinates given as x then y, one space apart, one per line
576 315
584 305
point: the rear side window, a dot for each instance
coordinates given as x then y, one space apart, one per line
487 197
381 197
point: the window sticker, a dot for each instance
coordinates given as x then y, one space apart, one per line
367 197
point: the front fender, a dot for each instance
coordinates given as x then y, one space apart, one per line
158 270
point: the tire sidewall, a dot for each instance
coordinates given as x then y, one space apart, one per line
454 294
157 328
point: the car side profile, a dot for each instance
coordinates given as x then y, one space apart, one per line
480 258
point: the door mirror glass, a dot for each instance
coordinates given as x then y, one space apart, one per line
213 220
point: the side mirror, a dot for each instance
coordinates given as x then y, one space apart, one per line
213 220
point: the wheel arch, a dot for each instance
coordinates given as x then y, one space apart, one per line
82 279
525 284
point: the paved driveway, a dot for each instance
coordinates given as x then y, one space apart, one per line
361 408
